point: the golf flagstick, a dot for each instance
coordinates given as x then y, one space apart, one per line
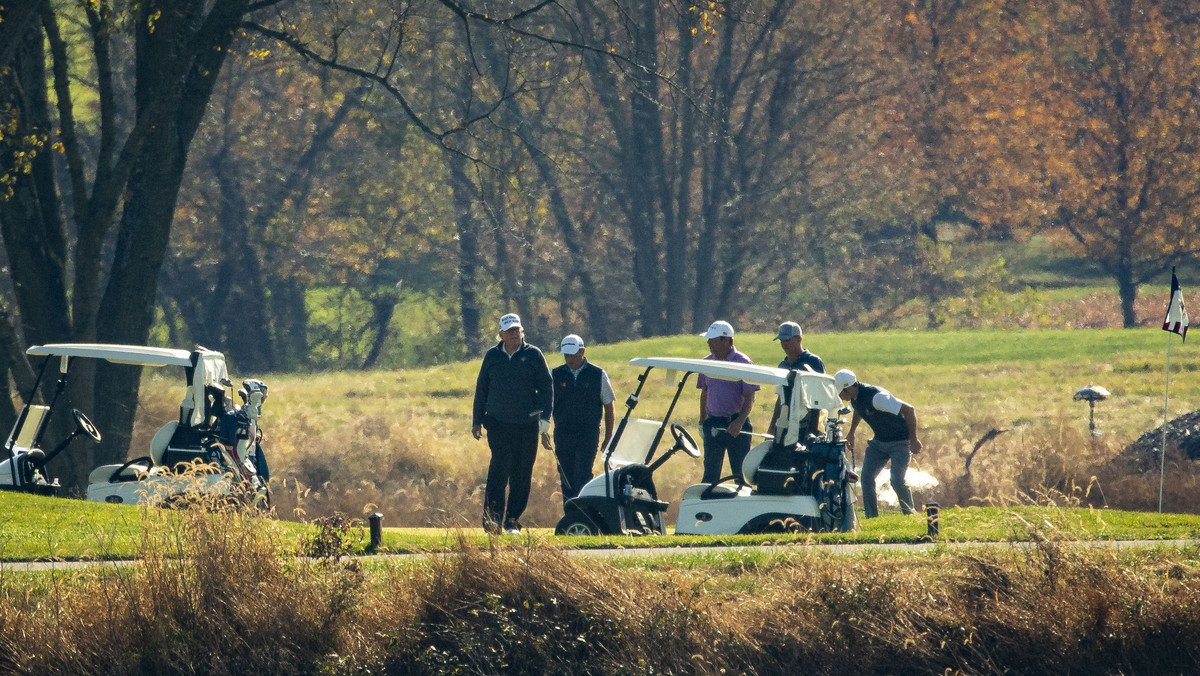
1176 322
1162 464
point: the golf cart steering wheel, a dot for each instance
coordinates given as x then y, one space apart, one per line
683 440
84 425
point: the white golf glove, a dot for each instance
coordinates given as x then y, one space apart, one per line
543 425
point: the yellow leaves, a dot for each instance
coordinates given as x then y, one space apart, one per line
911 18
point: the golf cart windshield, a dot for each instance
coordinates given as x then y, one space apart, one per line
633 446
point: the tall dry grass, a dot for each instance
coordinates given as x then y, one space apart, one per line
393 464
219 594
213 593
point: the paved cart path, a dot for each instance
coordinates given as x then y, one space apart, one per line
837 549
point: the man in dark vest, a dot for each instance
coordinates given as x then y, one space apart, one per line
582 395
894 423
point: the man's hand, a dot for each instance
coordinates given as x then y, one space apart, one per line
546 441
735 427
914 446
850 441
477 431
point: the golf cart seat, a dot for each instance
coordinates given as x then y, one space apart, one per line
174 445
129 471
726 490
775 471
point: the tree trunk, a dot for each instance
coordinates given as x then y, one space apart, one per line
383 307
632 113
468 253
126 311
35 235
290 323
1127 289
675 233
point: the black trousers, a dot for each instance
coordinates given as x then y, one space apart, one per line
576 451
717 443
514 450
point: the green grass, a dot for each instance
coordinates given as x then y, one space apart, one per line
40 528
43 528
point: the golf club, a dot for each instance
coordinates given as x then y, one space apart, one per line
753 434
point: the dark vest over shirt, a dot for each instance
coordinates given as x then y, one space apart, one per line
577 403
886 426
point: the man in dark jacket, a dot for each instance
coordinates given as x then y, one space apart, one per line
513 401
795 358
582 394
894 424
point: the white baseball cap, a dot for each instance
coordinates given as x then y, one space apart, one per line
571 344
719 330
843 379
508 321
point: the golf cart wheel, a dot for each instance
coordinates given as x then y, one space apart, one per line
576 523
833 510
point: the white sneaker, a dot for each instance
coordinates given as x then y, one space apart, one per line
513 531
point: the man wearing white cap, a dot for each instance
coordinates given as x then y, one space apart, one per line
795 358
894 424
725 407
513 401
582 396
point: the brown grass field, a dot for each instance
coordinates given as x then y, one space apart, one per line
398 442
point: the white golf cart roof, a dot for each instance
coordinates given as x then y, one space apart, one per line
209 367
120 354
817 390
724 370
812 390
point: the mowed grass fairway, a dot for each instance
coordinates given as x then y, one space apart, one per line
399 442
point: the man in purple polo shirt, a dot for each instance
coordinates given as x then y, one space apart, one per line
725 407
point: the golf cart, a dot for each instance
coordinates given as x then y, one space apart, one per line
796 480
213 448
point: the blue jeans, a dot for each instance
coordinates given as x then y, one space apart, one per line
877 455
716 444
